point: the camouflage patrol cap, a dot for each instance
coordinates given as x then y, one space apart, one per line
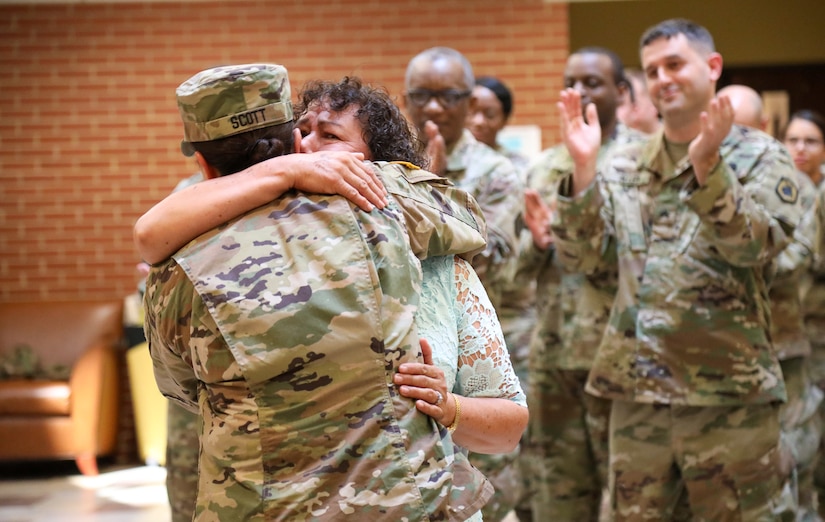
231 99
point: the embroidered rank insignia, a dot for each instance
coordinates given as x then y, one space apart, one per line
787 190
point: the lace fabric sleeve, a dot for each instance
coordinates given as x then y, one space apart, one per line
437 315
484 368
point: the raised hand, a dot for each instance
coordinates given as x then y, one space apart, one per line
582 136
715 124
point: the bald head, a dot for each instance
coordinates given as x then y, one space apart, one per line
747 105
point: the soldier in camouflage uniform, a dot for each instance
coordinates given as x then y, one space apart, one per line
254 325
182 447
491 112
568 428
182 429
493 106
803 136
182 441
439 83
694 217
813 306
801 425
800 421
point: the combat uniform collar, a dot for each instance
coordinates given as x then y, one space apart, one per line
653 154
650 158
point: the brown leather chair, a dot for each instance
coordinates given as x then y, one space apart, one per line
62 419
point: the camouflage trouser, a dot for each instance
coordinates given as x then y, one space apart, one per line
510 473
802 431
567 443
504 474
728 459
817 375
182 447
517 327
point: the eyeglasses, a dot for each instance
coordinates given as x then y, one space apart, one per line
448 98
809 143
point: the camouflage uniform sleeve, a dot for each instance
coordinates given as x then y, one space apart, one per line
166 309
441 219
819 240
502 201
752 217
540 177
800 254
531 258
579 227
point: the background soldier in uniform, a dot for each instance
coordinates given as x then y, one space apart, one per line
439 83
568 429
800 421
694 217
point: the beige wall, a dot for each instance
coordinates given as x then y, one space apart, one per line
747 32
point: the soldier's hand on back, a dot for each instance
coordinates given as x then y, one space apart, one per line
335 172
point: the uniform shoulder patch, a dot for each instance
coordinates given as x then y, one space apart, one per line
787 190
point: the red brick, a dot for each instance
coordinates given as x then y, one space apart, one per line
90 129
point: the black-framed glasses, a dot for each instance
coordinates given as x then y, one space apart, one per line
448 98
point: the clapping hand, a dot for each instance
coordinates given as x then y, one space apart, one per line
582 136
537 218
436 149
715 125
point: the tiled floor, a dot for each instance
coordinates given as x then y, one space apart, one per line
58 493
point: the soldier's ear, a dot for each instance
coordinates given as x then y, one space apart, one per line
715 64
625 92
208 170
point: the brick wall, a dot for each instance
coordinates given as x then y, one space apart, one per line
89 130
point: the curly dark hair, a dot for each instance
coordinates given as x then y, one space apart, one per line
386 131
235 153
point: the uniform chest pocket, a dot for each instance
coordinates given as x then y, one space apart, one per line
688 227
672 224
630 217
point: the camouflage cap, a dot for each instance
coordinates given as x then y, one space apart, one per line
227 100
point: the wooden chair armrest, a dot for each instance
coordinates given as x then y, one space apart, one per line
94 399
